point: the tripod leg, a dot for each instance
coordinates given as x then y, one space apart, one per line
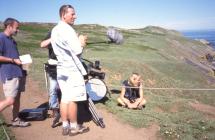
94 116
98 120
93 111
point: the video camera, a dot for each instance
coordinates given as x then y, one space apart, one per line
93 69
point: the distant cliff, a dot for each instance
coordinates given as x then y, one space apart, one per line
179 47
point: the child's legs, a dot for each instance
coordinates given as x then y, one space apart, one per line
119 100
142 103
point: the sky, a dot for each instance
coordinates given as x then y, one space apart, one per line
170 14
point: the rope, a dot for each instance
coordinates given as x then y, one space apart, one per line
5 132
159 88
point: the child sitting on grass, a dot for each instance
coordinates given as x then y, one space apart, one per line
132 93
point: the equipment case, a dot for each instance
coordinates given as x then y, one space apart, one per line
35 114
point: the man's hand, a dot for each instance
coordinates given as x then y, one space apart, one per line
17 61
83 40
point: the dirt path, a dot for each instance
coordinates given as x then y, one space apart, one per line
41 130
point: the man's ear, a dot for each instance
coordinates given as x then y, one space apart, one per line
63 15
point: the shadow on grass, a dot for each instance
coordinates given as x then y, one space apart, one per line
115 91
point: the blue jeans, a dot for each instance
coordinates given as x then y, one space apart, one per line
53 93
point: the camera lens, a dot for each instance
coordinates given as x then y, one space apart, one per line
97 64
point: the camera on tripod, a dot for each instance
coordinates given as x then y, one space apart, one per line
94 70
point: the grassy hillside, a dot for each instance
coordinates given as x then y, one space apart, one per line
161 57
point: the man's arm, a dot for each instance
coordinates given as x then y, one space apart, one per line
83 40
45 43
10 60
6 59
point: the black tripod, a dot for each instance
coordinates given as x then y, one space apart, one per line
96 118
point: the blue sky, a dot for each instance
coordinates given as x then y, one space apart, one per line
171 14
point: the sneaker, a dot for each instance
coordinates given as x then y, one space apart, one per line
83 129
20 123
65 131
140 107
73 132
123 106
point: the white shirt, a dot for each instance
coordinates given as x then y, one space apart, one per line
67 46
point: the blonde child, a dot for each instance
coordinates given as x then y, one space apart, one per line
132 93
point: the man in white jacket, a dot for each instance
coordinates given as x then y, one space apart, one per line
70 71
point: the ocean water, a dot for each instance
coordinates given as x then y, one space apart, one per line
208 35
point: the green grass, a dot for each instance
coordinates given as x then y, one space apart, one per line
4 130
175 117
151 55
144 54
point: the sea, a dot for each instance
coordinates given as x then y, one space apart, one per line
208 35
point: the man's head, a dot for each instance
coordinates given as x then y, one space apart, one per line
11 26
67 14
